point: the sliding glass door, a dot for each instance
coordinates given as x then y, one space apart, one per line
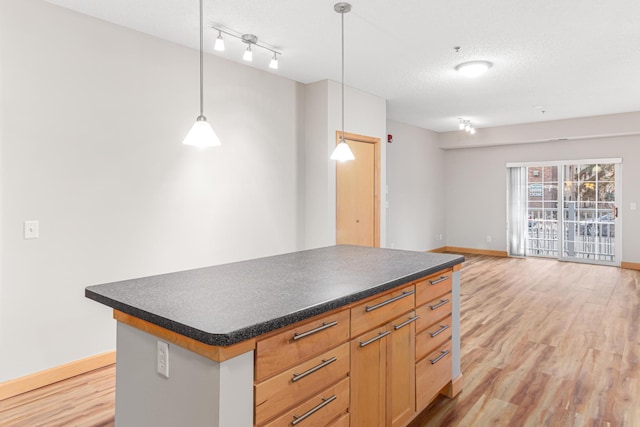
570 210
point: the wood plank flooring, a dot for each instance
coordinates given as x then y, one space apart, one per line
544 343
86 400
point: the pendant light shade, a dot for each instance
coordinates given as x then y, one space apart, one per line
201 133
342 152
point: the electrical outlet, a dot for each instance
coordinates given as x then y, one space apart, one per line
163 359
488 239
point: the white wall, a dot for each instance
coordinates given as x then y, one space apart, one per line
365 114
476 186
415 176
92 117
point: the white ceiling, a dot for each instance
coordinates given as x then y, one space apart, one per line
574 58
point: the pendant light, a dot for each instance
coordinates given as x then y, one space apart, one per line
201 133
342 151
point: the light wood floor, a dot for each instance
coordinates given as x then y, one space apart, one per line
543 344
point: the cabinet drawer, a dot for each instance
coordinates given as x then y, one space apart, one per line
433 286
297 384
318 411
381 310
432 337
343 421
300 342
432 374
433 311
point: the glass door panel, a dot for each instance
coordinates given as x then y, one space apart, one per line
589 213
542 209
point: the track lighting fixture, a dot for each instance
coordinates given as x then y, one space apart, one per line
466 125
250 40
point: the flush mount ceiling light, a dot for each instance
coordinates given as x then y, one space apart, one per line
201 133
342 151
473 68
250 40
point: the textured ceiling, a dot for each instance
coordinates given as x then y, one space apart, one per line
574 58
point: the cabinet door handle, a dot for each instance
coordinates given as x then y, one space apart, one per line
441 279
298 419
405 323
369 308
376 338
324 326
438 305
439 331
310 371
442 354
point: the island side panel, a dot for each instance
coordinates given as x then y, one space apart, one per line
190 396
455 386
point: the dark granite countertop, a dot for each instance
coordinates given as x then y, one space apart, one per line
226 304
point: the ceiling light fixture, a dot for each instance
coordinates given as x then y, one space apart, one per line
466 125
248 55
219 46
201 133
342 151
274 62
250 40
473 68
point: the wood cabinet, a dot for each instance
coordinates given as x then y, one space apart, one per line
382 360
375 363
433 367
302 373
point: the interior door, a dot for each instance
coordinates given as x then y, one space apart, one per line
356 196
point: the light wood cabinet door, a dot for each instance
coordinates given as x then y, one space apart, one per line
368 378
401 386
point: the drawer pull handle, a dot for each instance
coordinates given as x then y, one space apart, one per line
405 323
442 354
325 402
441 279
389 301
376 338
310 371
324 326
439 331
438 305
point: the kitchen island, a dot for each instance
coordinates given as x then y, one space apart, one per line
289 339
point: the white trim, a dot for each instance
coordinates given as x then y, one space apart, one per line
565 162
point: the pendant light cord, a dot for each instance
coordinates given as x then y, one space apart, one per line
342 21
201 61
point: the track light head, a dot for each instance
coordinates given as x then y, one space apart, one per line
219 46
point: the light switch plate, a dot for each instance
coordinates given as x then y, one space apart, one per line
31 229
